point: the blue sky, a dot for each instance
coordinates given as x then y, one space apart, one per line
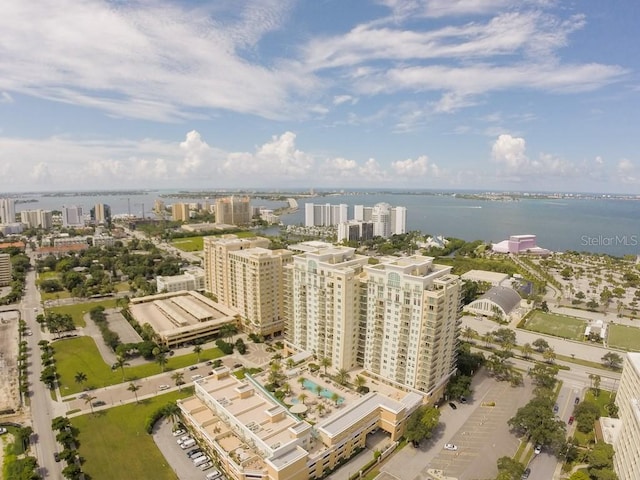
450 94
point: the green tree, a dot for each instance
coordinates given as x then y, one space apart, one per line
325 362
612 360
549 355
335 398
421 424
509 468
540 344
302 397
88 400
544 376
459 386
342 376
505 337
178 378
162 360
134 388
527 350
586 413
197 350
537 420
121 362
80 378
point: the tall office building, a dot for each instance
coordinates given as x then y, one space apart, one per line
233 210
410 322
5 269
37 218
72 216
101 214
248 277
322 302
354 230
7 210
327 215
180 212
626 461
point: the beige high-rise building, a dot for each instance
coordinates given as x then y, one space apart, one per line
5 269
233 210
410 322
245 275
180 212
322 302
626 460
37 218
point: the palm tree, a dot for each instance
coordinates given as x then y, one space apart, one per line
527 350
549 355
342 377
197 350
172 411
228 331
89 399
302 397
290 363
486 338
468 333
161 359
80 377
320 408
325 362
360 381
178 378
134 388
335 397
318 389
120 363
301 381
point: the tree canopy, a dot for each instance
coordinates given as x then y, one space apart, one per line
421 424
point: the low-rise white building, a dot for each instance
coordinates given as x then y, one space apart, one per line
501 301
191 279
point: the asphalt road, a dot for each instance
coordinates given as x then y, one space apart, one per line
41 405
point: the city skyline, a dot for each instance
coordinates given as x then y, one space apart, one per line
532 95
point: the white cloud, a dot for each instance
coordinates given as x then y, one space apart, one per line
510 152
420 167
627 172
441 8
196 153
153 60
41 174
340 99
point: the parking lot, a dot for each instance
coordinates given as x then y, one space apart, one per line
176 457
478 430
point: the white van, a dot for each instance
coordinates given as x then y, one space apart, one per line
183 439
201 460
197 455
188 444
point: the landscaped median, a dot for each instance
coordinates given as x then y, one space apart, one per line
115 445
80 354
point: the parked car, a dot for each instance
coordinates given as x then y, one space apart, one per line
571 419
213 475
193 452
206 466
3 430
463 400
453 405
197 455
98 403
450 446
526 473
556 408
538 449
177 433
183 439
56 456
195 377
577 400
193 367
164 387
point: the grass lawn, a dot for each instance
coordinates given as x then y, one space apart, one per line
601 400
115 445
80 354
624 337
48 276
78 310
55 295
557 325
189 244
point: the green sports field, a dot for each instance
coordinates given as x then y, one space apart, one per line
557 325
624 338
190 244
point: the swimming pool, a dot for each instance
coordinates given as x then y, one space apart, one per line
311 386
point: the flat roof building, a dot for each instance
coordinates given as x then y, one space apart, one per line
233 210
191 279
181 317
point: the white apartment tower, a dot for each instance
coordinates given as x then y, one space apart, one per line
37 218
326 215
72 216
387 220
245 275
5 269
410 322
323 303
7 210
626 461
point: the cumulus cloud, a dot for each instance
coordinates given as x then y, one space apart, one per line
510 152
196 153
40 173
340 99
627 172
419 167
